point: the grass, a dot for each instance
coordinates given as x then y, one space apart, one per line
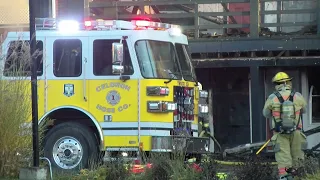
15 111
15 137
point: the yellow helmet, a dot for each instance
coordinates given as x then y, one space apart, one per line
281 77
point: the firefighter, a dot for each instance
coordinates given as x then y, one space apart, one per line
284 108
203 120
204 125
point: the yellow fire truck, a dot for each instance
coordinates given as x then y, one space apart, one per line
113 86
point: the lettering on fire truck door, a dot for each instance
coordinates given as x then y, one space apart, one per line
112 101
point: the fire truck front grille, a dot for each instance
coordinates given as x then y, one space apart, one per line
184 114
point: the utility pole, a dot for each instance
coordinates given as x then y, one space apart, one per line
34 91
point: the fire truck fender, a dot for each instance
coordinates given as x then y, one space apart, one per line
95 122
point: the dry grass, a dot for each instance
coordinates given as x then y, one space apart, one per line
15 110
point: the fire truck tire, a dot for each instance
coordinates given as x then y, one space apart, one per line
70 146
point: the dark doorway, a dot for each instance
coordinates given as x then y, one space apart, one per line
231 107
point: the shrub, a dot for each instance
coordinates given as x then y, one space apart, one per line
255 168
15 109
313 176
210 169
165 168
308 167
116 170
84 174
161 167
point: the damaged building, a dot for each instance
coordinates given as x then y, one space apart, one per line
237 47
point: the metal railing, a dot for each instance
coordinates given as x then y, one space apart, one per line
220 18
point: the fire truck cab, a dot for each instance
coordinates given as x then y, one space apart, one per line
113 86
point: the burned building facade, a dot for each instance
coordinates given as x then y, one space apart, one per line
237 46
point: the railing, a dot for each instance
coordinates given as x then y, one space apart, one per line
220 18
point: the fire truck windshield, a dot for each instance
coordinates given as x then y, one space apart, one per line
185 62
157 59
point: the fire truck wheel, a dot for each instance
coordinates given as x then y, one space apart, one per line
69 146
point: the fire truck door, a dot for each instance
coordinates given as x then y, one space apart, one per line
112 101
66 72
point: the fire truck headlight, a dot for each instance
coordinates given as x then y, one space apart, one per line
161 106
203 94
68 26
203 108
124 154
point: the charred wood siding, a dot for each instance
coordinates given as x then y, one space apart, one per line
263 18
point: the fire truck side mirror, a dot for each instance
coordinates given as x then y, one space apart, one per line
117 53
117 58
117 69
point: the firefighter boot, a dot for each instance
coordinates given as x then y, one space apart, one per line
286 177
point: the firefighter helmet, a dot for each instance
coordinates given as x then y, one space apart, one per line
281 77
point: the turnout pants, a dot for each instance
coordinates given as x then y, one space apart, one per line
288 150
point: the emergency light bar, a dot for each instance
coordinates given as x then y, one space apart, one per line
121 24
100 24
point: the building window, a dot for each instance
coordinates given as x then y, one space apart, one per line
67 58
315 103
18 62
102 58
314 89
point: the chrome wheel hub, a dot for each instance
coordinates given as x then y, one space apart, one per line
67 152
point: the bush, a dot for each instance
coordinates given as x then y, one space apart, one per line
313 176
309 167
117 170
165 168
161 167
84 174
15 110
255 168
210 169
